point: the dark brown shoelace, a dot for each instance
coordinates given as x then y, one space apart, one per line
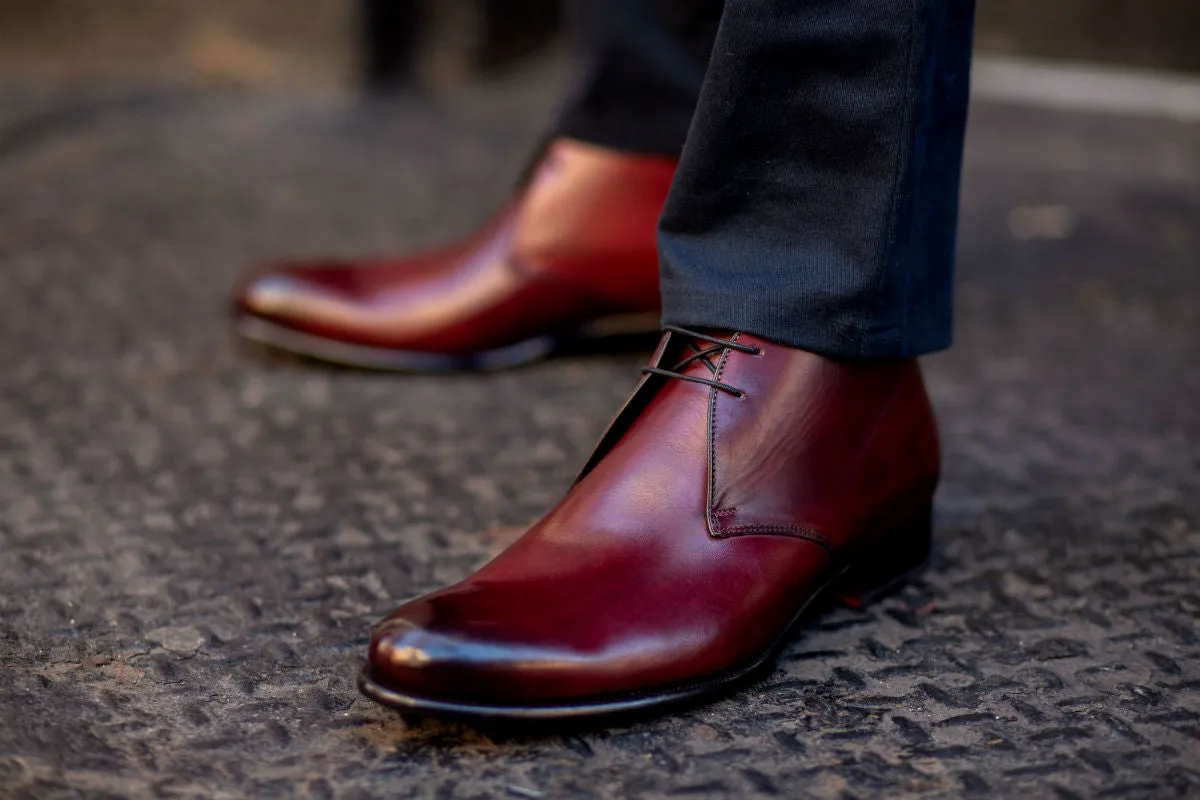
704 355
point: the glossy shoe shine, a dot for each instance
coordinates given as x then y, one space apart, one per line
741 481
574 256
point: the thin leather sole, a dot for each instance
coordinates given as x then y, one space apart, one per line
280 337
663 696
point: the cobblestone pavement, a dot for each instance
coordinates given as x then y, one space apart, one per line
195 538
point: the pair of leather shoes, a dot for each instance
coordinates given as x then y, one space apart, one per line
742 481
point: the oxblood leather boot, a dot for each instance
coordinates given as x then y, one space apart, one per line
741 481
573 256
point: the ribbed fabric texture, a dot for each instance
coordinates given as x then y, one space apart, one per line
821 142
817 194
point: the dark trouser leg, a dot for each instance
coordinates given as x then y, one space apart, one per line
644 63
816 200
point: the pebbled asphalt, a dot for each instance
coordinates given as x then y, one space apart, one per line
194 538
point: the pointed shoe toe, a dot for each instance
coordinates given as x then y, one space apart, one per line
287 294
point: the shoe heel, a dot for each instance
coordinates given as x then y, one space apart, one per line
890 563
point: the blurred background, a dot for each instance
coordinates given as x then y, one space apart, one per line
194 539
439 42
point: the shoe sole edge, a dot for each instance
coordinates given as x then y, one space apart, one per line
381 359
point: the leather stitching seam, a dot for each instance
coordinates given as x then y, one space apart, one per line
790 531
793 531
712 441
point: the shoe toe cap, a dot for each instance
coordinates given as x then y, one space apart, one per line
294 293
409 656
270 295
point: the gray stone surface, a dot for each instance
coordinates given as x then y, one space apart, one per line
194 539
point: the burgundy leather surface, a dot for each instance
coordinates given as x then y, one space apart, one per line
688 545
576 246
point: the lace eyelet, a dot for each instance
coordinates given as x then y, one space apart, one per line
703 355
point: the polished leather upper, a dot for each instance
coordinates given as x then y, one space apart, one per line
701 526
577 245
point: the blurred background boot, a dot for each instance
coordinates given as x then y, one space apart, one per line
572 258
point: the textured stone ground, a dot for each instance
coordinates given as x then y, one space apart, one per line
194 540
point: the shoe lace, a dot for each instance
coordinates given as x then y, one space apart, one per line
717 347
